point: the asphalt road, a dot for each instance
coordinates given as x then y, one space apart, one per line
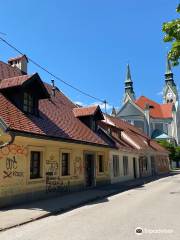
154 208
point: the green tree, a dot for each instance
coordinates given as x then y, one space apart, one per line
172 34
177 156
174 151
170 147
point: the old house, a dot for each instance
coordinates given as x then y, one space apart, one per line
47 144
136 155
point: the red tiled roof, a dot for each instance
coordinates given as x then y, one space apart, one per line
123 125
6 71
85 111
136 135
158 110
56 119
167 110
158 147
14 81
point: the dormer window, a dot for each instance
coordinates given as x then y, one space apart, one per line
29 103
93 125
109 131
89 116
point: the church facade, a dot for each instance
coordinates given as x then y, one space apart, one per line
160 121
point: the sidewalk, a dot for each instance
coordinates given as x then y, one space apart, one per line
25 213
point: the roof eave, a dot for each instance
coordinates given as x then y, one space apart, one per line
3 125
45 137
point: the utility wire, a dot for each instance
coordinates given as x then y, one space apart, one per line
53 75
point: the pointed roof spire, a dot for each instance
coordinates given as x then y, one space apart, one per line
129 91
128 74
168 66
113 113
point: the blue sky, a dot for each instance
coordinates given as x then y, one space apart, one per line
89 42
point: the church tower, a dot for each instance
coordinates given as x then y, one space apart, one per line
129 91
113 113
170 92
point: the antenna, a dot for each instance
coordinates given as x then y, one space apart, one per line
105 108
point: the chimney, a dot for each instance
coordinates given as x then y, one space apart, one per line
53 88
20 62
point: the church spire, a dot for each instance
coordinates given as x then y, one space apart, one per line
129 91
128 74
113 113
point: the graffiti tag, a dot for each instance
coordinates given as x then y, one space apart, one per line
11 166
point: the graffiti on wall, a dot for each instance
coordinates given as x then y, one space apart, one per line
53 181
56 184
51 175
78 168
13 149
11 168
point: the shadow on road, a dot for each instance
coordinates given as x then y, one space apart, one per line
53 206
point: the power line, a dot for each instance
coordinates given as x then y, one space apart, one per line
53 75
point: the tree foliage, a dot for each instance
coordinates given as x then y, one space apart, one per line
174 151
170 147
172 34
177 154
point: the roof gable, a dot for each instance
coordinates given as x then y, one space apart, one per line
130 109
24 81
94 111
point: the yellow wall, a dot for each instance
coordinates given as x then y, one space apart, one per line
15 167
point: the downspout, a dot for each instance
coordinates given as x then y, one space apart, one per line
6 129
10 141
147 116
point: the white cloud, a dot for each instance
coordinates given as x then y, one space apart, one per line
102 105
160 93
79 103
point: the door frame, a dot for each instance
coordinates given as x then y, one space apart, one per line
153 165
135 167
93 170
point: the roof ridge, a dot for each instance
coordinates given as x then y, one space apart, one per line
7 70
16 68
29 75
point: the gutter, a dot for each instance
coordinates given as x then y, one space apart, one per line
39 136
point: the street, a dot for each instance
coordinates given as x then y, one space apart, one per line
153 207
